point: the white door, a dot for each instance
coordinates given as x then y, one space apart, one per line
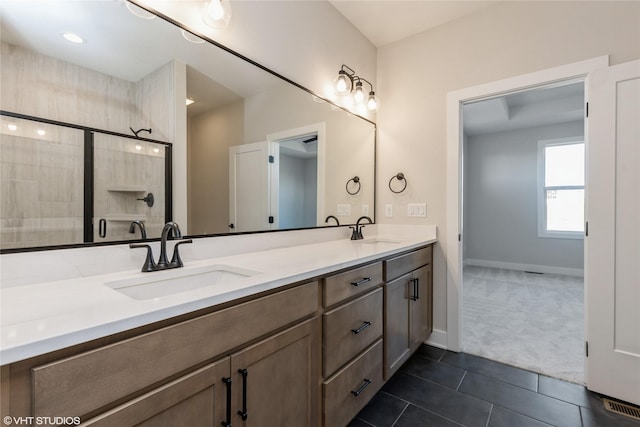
612 281
250 177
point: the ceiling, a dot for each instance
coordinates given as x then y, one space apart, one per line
543 106
387 21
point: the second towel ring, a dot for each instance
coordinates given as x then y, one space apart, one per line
400 177
355 180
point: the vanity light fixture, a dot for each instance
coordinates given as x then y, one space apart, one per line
347 81
217 13
73 38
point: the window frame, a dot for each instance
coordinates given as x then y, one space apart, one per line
542 205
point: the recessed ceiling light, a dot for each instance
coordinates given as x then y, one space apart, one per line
139 12
190 101
12 126
191 37
73 38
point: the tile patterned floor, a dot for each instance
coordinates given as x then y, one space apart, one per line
441 388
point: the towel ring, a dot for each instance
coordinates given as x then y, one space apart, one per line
399 177
356 180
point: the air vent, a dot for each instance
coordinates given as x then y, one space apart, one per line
622 409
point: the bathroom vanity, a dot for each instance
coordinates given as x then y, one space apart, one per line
304 345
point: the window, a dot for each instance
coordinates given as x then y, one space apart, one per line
561 188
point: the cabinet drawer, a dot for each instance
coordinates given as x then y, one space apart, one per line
88 381
350 283
347 392
396 267
350 329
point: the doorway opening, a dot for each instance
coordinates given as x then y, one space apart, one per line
523 220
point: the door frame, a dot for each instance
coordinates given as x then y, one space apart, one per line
453 249
314 128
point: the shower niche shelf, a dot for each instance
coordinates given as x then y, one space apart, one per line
127 188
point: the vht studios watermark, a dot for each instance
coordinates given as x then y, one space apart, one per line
40 421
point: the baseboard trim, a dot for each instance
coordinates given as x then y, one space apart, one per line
438 339
549 269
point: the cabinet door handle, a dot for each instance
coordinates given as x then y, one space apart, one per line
414 297
362 281
243 413
417 287
365 384
362 327
227 382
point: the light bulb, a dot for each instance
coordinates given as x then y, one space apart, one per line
341 85
138 147
358 96
217 13
12 127
215 9
372 104
41 132
73 38
156 150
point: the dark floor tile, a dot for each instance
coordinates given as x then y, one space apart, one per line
501 417
430 352
417 417
600 417
359 423
526 402
440 400
490 368
383 410
572 393
441 373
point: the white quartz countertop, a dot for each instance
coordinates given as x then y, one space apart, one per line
43 317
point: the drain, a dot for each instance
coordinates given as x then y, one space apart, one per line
622 408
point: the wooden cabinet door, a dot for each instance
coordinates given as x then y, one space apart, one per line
277 381
196 399
397 348
420 306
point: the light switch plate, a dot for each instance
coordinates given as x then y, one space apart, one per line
344 210
417 210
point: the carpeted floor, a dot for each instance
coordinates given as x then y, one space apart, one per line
531 321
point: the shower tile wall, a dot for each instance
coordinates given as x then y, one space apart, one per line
41 184
42 86
127 170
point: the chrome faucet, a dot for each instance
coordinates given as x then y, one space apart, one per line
326 220
163 262
357 230
140 224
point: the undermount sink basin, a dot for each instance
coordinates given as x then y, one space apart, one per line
163 283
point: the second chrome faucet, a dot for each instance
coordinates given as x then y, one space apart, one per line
163 261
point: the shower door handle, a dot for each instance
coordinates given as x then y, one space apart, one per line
102 228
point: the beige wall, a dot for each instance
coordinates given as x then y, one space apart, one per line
508 39
210 136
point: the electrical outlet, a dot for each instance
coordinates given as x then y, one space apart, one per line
388 211
344 210
365 210
417 210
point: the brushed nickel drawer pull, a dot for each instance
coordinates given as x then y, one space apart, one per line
364 326
361 282
360 389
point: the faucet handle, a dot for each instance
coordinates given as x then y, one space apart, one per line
355 233
176 261
149 264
